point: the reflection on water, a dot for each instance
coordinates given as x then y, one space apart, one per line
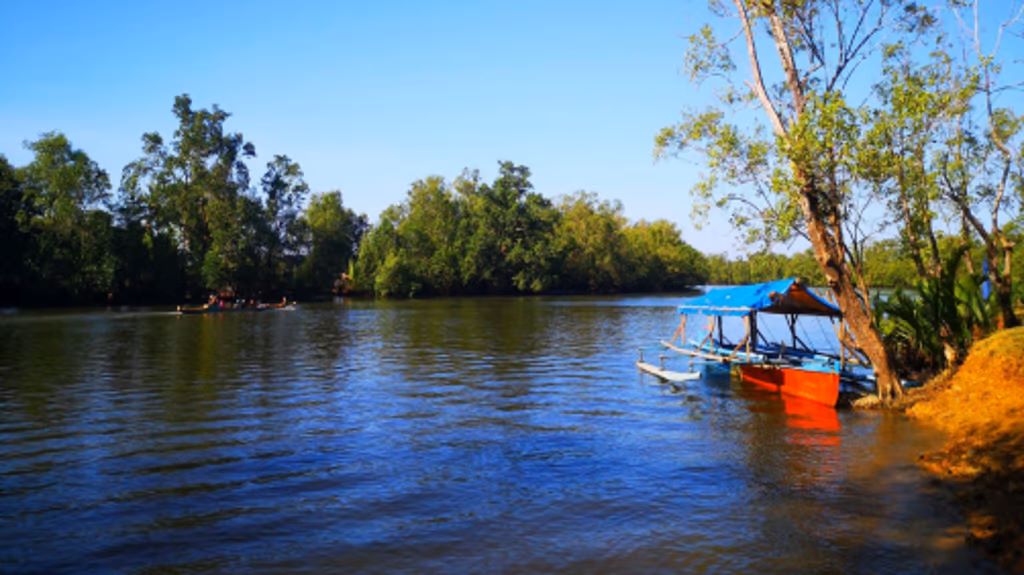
478 435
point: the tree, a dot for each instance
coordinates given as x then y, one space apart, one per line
63 190
984 163
472 238
12 240
430 237
658 259
589 237
379 244
415 248
914 102
148 264
238 233
334 235
887 264
803 265
190 189
284 191
507 247
803 174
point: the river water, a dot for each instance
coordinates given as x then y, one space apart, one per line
457 435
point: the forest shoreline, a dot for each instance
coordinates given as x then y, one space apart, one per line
358 296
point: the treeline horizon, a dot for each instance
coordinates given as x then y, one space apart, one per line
468 237
191 216
887 263
186 219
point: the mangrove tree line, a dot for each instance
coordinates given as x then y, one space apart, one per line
186 220
190 216
474 237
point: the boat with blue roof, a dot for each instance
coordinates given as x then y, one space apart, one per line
789 366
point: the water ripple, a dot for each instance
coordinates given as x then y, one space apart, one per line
484 435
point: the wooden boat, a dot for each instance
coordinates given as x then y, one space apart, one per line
790 367
284 304
201 309
221 308
809 382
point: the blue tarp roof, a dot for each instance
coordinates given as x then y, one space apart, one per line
788 296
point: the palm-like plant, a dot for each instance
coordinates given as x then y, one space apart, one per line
931 328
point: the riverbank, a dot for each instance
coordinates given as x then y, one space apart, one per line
981 407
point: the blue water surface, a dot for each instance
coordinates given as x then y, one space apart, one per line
459 435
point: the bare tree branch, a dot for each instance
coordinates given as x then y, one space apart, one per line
853 50
785 50
755 69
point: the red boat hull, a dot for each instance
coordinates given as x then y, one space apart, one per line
818 386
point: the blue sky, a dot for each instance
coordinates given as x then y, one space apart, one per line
370 96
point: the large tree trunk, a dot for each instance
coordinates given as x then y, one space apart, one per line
823 221
828 251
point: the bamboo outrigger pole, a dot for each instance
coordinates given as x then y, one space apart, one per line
742 342
680 331
711 332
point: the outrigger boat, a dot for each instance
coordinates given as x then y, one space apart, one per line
219 307
794 368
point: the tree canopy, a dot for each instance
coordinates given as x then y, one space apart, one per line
470 237
806 141
188 219
185 221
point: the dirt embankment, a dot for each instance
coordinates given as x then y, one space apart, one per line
981 406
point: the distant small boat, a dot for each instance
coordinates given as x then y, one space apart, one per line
200 309
221 308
